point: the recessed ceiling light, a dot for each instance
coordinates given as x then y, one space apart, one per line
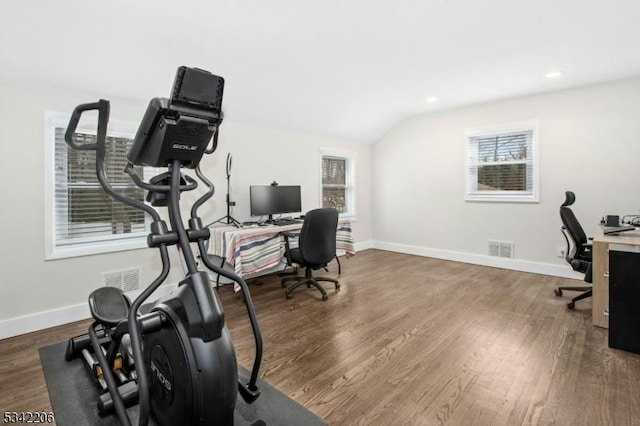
432 99
553 74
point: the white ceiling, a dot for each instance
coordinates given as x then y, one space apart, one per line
346 69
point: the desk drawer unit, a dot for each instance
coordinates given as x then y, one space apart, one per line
624 300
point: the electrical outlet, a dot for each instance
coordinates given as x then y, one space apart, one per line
561 252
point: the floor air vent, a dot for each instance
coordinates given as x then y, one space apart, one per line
125 280
501 249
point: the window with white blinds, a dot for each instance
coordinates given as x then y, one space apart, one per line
82 218
338 181
502 163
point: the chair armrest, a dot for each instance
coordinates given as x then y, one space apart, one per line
580 265
287 235
588 276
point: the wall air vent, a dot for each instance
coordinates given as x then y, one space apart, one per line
501 249
112 279
125 280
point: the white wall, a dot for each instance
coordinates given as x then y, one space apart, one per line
261 156
37 294
410 188
588 137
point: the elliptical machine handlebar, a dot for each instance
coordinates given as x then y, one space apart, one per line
102 106
158 226
189 185
214 140
249 391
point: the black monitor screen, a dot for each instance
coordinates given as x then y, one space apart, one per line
270 200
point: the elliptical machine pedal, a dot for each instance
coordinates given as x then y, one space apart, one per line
109 306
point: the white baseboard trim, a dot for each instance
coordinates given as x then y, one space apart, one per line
363 245
40 320
27 323
478 259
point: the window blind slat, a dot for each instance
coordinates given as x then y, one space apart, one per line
337 183
502 163
334 171
83 211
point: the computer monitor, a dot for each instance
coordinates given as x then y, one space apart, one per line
270 200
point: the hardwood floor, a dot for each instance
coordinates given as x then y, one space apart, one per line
411 340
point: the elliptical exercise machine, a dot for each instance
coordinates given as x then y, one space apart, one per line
180 365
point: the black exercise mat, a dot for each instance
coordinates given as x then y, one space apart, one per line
74 393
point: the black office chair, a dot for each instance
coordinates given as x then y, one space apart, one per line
578 253
316 248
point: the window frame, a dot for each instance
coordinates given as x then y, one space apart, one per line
471 165
53 120
350 179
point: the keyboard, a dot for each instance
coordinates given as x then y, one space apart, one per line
618 229
285 222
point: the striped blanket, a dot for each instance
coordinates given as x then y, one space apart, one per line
255 249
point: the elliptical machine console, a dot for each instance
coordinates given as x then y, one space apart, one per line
180 128
180 365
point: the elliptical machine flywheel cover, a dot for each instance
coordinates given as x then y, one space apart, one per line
191 382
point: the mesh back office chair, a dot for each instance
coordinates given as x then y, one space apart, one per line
578 253
316 248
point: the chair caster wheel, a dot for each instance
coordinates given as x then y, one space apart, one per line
324 297
337 286
558 292
283 285
571 305
288 296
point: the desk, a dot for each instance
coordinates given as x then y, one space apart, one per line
600 254
256 249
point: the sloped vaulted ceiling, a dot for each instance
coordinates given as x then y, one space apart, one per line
340 68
